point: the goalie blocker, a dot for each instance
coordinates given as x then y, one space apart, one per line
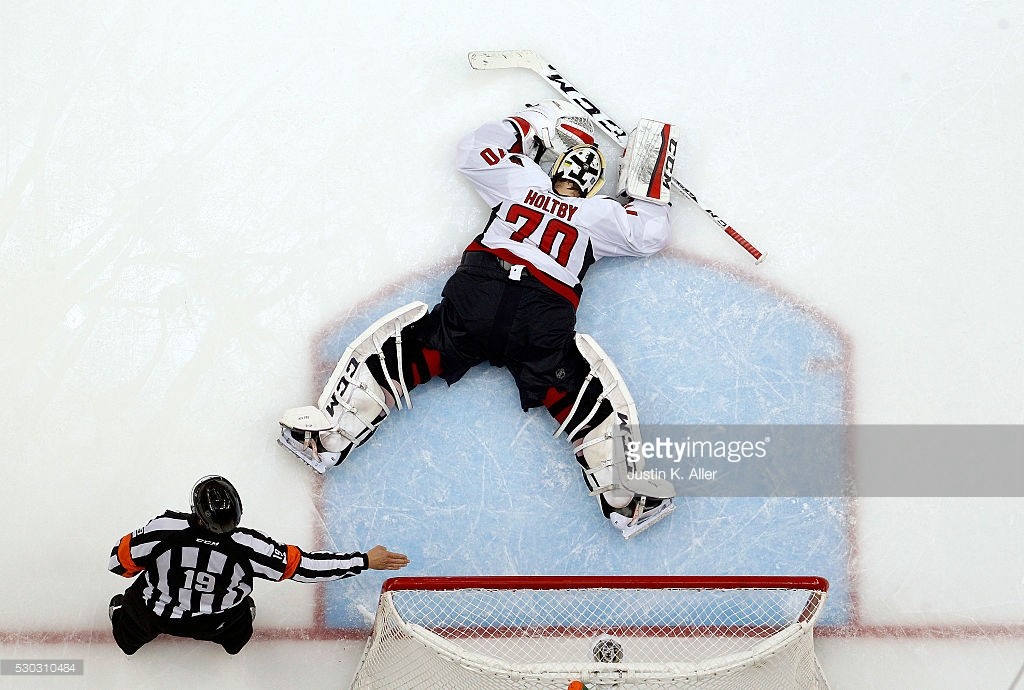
645 171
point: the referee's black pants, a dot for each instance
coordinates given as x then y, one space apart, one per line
134 625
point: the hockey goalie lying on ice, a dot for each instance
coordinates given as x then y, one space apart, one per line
512 302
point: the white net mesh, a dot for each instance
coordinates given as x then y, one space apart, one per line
668 636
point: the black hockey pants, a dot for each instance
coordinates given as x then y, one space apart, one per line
134 625
485 315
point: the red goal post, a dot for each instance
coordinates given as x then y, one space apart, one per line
608 631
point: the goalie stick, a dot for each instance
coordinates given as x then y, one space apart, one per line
503 59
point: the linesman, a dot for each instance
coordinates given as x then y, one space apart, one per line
197 571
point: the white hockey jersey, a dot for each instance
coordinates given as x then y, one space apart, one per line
555 237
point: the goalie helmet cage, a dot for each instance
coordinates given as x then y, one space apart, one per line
540 632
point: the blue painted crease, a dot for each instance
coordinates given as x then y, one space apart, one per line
467 484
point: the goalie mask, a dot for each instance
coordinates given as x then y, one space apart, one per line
216 504
582 165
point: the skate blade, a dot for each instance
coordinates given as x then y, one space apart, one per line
631 531
319 467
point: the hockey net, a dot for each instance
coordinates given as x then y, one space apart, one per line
608 632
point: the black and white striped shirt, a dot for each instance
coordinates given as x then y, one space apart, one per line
189 571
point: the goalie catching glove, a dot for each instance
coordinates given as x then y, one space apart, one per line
646 168
556 125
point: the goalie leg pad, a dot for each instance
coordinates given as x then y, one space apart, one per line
603 425
358 396
645 171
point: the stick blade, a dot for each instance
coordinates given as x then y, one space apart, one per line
503 59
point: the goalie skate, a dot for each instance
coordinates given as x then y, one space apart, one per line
642 517
302 431
358 396
632 499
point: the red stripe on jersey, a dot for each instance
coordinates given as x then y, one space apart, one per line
582 134
555 285
294 556
522 125
522 131
124 557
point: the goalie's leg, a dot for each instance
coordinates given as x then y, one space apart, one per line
374 375
601 422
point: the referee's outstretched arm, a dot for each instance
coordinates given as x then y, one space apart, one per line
194 571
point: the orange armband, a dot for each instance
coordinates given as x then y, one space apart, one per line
124 557
293 558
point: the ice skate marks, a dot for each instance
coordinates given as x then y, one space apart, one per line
466 472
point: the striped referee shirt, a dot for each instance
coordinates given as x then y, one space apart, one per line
189 571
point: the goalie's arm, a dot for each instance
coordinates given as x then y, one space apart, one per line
491 158
645 172
638 228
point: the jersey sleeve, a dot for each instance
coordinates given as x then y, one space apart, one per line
133 553
318 566
273 560
639 228
492 159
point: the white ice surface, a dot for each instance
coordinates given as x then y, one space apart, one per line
192 193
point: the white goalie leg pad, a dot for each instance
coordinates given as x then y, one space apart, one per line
645 171
613 474
354 403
